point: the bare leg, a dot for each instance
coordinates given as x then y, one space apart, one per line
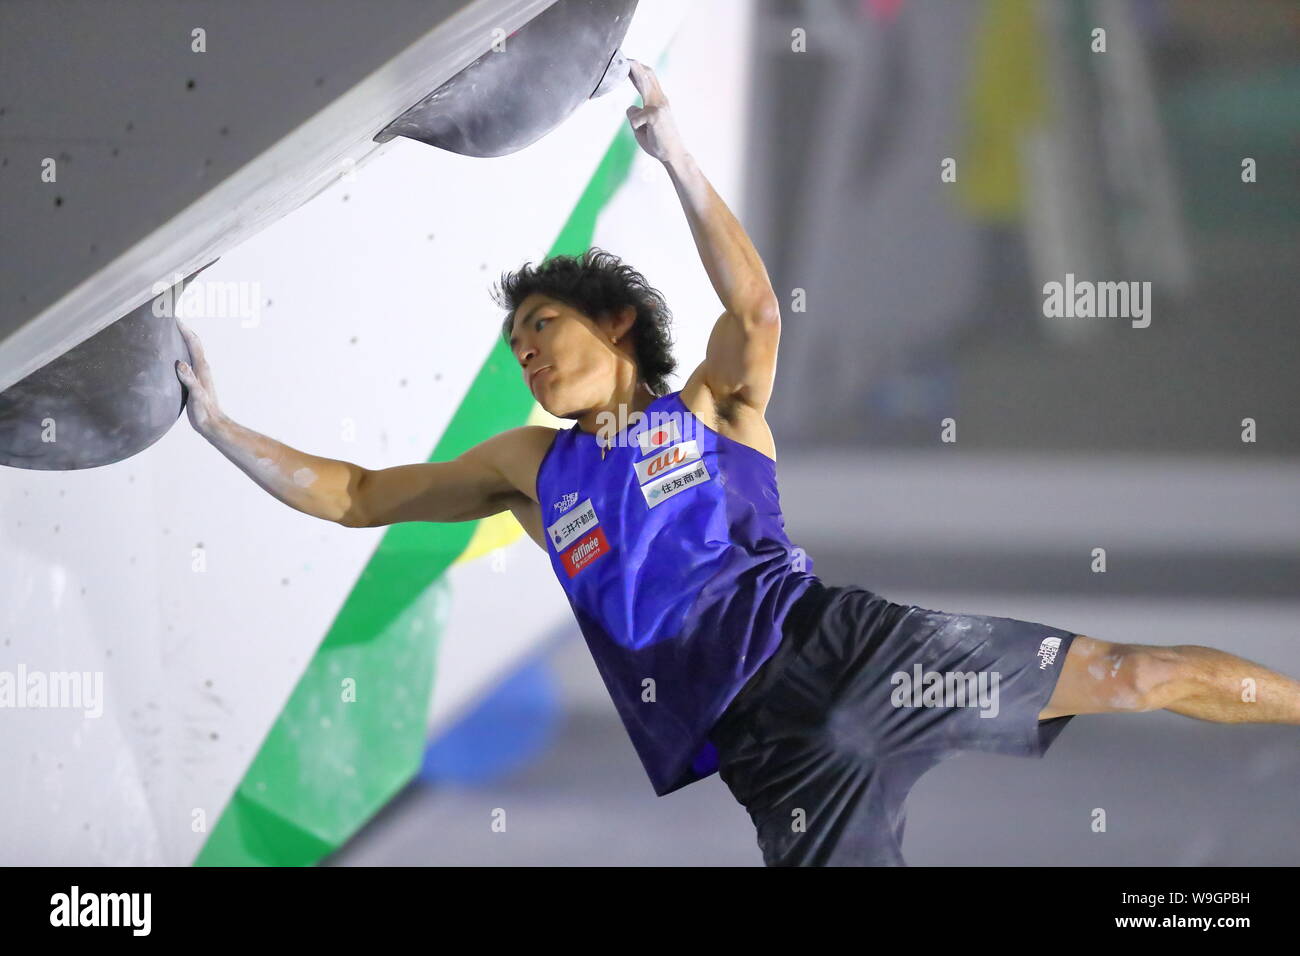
1201 682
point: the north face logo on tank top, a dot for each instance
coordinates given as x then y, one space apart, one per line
679 582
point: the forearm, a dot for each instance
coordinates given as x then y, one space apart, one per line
321 487
1216 691
730 259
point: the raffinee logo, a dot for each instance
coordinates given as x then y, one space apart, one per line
923 688
1102 300
102 909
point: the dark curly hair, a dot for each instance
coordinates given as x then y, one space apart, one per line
598 283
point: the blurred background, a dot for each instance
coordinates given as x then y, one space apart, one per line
911 304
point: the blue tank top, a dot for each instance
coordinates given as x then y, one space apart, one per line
671 549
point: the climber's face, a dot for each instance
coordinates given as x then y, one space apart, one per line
569 360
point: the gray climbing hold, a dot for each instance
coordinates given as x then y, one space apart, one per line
506 100
104 400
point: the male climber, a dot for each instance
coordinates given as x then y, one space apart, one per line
819 705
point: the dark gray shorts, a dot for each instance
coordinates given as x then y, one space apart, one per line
862 697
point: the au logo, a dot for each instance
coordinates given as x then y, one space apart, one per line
683 453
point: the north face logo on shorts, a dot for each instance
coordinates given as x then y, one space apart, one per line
1048 650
